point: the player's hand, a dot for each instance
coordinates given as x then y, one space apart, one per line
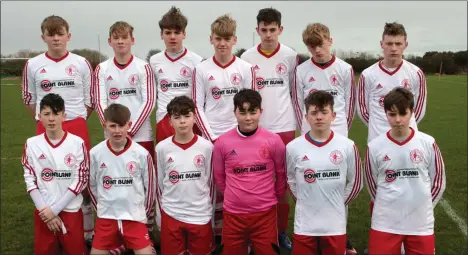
46 214
55 225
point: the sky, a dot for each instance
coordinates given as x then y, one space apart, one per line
355 26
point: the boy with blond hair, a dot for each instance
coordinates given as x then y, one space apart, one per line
325 72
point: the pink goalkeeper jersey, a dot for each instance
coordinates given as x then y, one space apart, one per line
249 171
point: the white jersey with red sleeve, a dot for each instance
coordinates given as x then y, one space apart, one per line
323 178
376 81
213 92
70 77
274 79
54 168
122 184
337 78
185 189
131 85
173 77
405 180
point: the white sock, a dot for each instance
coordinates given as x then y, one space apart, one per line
88 220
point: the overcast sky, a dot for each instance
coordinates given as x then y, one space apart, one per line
355 26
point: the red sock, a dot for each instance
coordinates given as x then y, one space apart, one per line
283 214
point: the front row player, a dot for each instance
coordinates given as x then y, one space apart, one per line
61 161
248 162
122 187
405 176
185 184
324 175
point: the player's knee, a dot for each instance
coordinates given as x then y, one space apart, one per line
95 251
147 250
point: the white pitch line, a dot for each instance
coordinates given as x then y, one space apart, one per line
452 214
17 158
10 84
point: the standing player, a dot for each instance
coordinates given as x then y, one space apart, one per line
248 162
68 75
391 72
405 175
122 187
329 73
275 64
185 189
61 160
324 175
173 69
217 80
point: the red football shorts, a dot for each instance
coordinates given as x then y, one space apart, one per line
178 237
76 126
165 130
287 136
324 245
258 229
109 234
149 146
46 242
389 244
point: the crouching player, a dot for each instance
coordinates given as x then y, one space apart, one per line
248 162
121 185
324 175
405 176
185 184
61 160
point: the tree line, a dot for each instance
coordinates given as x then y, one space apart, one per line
431 62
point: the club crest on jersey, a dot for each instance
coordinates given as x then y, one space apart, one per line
313 90
132 166
133 79
70 160
390 175
174 176
71 70
260 82
264 152
405 83
199 161
236 78
416 156
185 72
336 157
309 176
334 80
281 69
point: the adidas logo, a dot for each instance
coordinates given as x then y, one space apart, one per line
42 156
305 158
256 67
379 86
109 78
103 165
160 70
311 79
43 70
386 158
170 160
233 152
211 78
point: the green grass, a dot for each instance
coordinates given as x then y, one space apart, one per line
445 119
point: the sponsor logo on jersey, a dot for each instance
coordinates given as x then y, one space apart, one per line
160 70
336 157
109 78
43 70
170 160
165 85
305 158
70 160
217 92
185 72
103 165
236 78
132 167
416 156
48 174
311 175
392 175
311 79
71 70
211 78
47 85
42 156
281 69
175 177
109 182
241 170
270 82
199 161
332 92
133 79
386 158
115 93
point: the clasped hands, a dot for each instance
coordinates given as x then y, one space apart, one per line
54 223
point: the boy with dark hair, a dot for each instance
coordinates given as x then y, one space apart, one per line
403 163
248 162
324 176
185 190
61 160
122 187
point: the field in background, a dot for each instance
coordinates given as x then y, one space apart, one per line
446 120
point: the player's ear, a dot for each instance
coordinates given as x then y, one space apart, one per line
234 38
68 36
280 30
381 44
109 41
130 124
211 39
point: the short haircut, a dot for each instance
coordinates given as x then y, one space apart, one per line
268 16
173 19
252 97
181 105
320 99
401 98
394 29
314 34
224 26
54 101
120 28
117 113
54 25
